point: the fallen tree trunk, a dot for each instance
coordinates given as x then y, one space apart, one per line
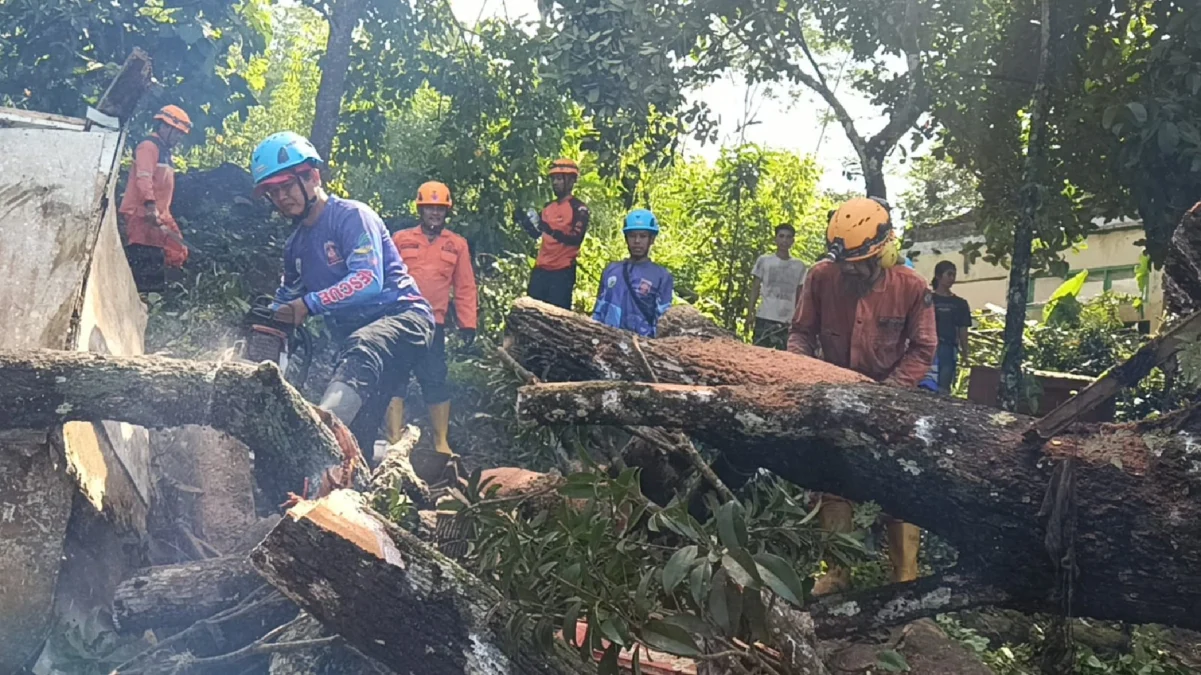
394 597
175 596
962 471
558 346
291 444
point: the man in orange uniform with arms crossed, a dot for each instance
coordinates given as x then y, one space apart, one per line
875 317
439 261
146 204
562 226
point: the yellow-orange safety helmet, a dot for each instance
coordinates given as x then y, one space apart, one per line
861 229
433 193
174 117
564 166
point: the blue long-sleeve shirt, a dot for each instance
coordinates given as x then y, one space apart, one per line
633 295
346 267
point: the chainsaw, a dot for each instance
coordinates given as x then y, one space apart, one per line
268 338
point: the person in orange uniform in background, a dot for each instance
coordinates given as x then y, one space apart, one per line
440 262
875 317
562 226
146 204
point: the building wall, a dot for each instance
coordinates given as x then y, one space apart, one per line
1110 256
60 251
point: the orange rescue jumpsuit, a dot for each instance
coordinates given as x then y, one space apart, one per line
152 179
439 266
888 335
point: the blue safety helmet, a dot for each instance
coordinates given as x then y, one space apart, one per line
641 220
280 152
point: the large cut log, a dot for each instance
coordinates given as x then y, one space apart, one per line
962 471
175 596
394 597
290 442
557 345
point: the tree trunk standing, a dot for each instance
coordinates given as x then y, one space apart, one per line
343 17
1182 269
1033 183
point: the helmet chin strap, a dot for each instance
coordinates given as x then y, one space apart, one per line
309 201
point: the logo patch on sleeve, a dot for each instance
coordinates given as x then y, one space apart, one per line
332 257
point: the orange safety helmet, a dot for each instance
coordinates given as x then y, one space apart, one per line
860 229
433 193
174 117
564 166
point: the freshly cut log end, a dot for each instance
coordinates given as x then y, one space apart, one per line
394 597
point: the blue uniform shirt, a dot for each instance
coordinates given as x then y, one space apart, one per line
346 267
633 295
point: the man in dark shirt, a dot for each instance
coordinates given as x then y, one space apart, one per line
954 317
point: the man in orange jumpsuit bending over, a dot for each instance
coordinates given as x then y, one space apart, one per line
439 261
146 204
875 317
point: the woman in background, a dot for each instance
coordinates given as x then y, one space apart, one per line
954 317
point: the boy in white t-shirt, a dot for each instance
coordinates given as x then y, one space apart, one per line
778 279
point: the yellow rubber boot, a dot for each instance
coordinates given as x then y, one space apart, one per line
440 421
394 420
836 515
904 543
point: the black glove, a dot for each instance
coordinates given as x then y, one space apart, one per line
468 335
531 224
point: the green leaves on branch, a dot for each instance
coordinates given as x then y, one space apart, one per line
632 573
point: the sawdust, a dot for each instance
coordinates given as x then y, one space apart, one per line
513 481
1116 444
721 362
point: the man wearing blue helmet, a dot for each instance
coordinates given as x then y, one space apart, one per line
341 264
635 292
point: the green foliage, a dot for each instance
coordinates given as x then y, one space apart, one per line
628 63
59 55
940 191
1148 655
1082 338
1135 132
284 79
717 220
1063 306
635 573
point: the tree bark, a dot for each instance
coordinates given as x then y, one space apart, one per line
343 17
1033 183
960 470
1182 270
335 660
394 597
175 596
557 345
290 442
